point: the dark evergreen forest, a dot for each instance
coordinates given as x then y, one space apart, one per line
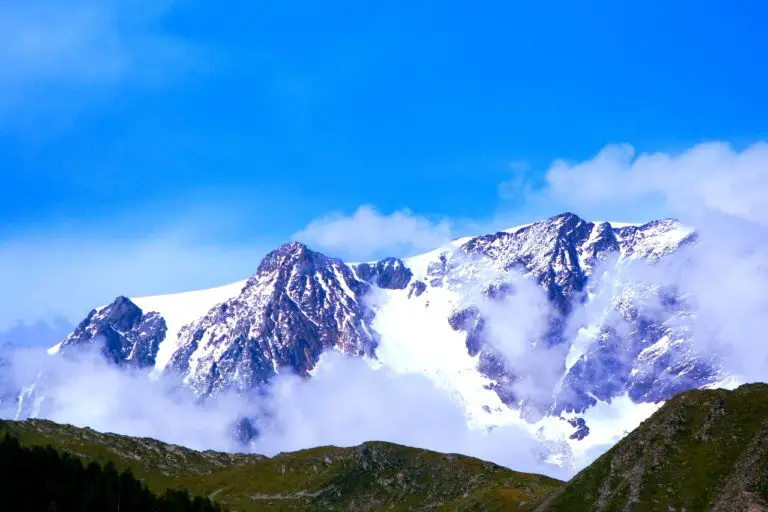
37 479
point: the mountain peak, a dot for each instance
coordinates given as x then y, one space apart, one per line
122 313
128 335
294 251
293 247
291 254
298 304
565 216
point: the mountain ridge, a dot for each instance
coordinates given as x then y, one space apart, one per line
703 450
372 476
301 303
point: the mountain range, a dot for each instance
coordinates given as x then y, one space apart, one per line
545 320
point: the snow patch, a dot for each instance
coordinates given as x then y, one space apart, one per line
343 283
180 309
657 349
417 338
608 423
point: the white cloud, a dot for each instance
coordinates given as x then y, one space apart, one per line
388 406
113 399
49 47
725 278
721 191
704 179
294 413
368 234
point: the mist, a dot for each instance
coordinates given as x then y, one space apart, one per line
345 403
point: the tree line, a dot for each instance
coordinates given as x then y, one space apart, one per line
39 479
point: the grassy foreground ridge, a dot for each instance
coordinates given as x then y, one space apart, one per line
373 476
704 450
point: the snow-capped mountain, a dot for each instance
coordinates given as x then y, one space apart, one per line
298 304
129 335
451 314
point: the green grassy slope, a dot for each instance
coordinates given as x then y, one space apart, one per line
703 450
373 476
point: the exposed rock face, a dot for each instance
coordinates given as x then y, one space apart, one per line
129 336
244 431
416 289
389 273
298 304
582 430
640 346
549 252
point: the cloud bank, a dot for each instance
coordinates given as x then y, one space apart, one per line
368 234
346 403
708 178
722 192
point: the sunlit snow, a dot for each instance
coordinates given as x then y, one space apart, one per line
180 309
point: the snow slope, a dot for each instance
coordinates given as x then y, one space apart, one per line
180 309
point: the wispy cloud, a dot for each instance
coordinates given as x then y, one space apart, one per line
58 275
712 178
367 233
51 47
293 413
708 178
719 190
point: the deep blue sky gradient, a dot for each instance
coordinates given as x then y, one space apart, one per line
301 108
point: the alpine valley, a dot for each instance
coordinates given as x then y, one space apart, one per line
554 326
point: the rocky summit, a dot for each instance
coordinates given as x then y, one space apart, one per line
298 304
129 336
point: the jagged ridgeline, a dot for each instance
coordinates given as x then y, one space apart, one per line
373 476
301 303
702 451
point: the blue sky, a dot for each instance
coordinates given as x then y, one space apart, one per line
235 127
